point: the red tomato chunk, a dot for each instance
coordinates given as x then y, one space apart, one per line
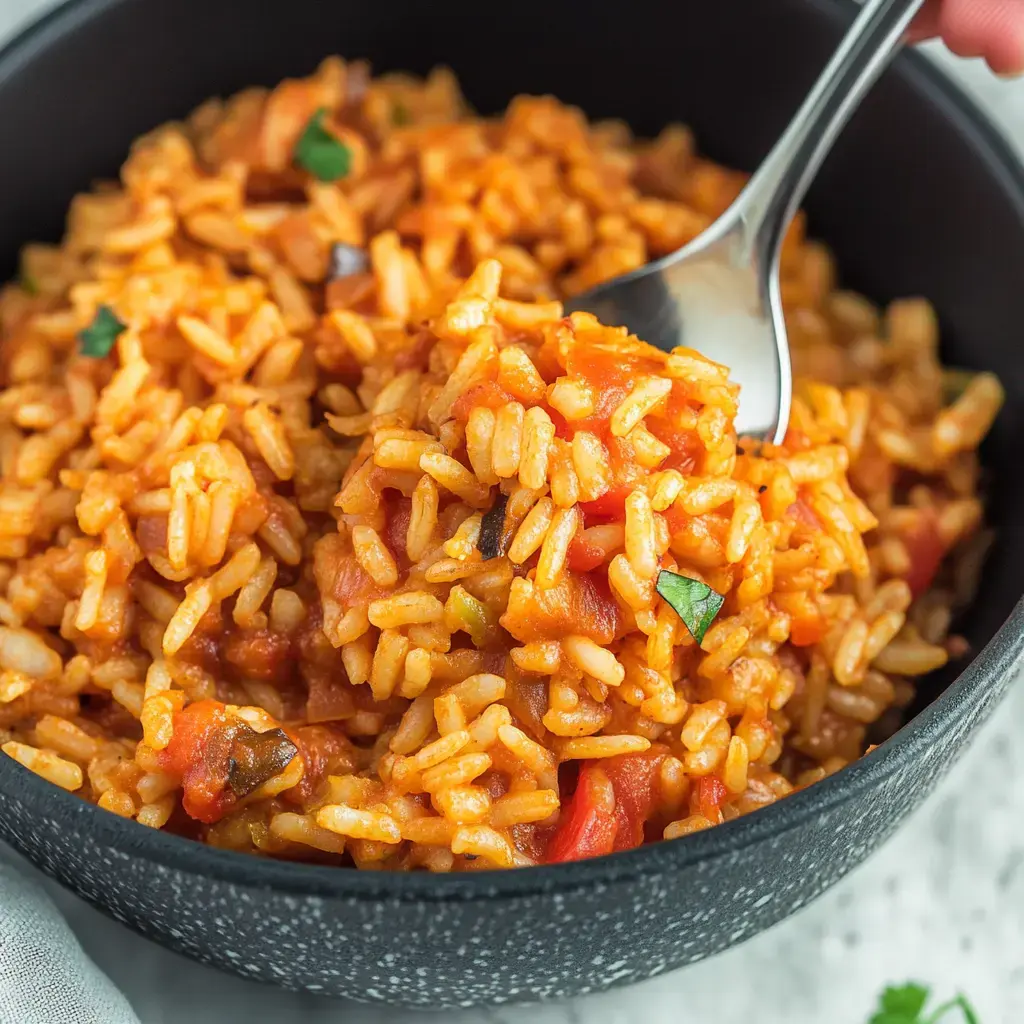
220 759
614 799
926 549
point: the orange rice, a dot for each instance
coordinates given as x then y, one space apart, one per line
242 592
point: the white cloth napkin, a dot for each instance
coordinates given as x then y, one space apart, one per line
45 977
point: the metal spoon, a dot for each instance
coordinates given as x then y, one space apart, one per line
720 294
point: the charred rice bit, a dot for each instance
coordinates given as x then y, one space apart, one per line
358 564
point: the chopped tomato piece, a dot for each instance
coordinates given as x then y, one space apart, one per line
578 603
584 555
198 754
611 505
626 475
633 777
677 519
926 549
613 800
487 393
325 752
706 797
622 458
562 428
609 374
527 698
329 696
589 824
804 514
219 758
686 445
399 512
797 441
353 585
808 631
808 625
301 246
259 654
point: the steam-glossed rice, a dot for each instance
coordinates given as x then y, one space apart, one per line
324 535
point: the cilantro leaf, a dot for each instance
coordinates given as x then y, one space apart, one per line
904 1004
907 999
98 338
324 155
694 602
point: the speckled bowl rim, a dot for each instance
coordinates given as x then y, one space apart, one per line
999 657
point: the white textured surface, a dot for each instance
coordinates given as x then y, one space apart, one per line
943 902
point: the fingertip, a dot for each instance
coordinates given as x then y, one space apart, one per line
1010 73
1006 58
1005 53
993 29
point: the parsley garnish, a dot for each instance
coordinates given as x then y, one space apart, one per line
694 602
322 154
98 338
400 114
905 1004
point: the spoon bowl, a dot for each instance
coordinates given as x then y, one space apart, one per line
720 293
710 297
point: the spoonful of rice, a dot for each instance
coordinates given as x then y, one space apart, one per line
720 293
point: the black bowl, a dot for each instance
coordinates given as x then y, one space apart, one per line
921 197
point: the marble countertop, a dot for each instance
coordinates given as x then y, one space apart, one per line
942 902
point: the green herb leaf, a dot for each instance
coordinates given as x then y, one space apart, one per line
694 602
904 1004
400 114
322 154
907 999
98 338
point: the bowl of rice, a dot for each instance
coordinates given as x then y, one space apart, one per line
369 624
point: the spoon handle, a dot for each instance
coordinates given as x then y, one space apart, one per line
776 190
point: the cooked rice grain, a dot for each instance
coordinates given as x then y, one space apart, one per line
389 539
